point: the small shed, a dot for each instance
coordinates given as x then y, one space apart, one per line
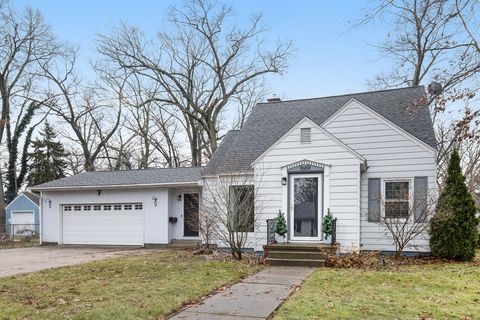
23 213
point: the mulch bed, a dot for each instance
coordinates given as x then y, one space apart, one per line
373 260
216 255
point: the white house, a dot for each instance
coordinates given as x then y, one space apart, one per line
303 157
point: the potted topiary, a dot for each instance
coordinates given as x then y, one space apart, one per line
327 226
281 226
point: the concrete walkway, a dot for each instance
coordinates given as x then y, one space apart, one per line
256 297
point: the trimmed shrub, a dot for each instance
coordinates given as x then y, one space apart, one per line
327 223
453 229
281 224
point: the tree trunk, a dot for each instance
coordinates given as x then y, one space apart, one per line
2 200
88 165
194 148
212 136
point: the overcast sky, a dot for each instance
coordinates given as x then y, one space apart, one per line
328 60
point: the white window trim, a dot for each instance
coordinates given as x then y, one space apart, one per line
410 193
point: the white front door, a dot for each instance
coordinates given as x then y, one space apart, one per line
305 216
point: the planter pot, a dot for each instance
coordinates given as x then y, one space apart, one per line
281 239
328 238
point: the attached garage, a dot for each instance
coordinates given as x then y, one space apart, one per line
103 224
127 207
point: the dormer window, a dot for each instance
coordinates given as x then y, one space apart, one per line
305 135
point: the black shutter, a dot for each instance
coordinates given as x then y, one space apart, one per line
420 189
374 194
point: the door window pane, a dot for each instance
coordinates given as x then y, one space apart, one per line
305 207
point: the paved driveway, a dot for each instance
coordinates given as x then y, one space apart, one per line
15 261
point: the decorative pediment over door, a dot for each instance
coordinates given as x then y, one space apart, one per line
305 166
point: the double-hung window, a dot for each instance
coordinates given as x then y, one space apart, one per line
242 199
397 199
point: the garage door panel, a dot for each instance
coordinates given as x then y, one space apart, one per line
22 217
103 227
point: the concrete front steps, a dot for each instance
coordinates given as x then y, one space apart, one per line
297 254
184 244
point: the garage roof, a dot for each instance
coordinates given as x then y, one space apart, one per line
146 177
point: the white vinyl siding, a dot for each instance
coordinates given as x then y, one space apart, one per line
390 155
342 182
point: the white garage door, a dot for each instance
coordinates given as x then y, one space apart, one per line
22 217
22 222
103 224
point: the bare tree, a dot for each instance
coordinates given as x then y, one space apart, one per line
434 40
154 124
246 101
469 150
405 220
92 114
74 159
233 209
27 46
120 153
202 64
426 41
163 138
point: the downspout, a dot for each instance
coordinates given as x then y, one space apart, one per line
40 218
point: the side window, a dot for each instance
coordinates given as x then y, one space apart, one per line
397 199
243 207
67 208
107 207
77 208
127 207
138 207
97 208
117 207
87 208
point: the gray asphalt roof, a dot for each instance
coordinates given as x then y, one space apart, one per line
32 196
270 121
124 177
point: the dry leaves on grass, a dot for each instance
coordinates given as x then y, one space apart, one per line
374 260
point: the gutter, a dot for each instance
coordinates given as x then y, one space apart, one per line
119 186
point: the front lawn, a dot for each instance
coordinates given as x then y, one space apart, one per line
137 287
437 291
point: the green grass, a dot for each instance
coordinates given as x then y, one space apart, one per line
137 287
450 291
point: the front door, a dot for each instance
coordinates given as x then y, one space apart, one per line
190 214
306 197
